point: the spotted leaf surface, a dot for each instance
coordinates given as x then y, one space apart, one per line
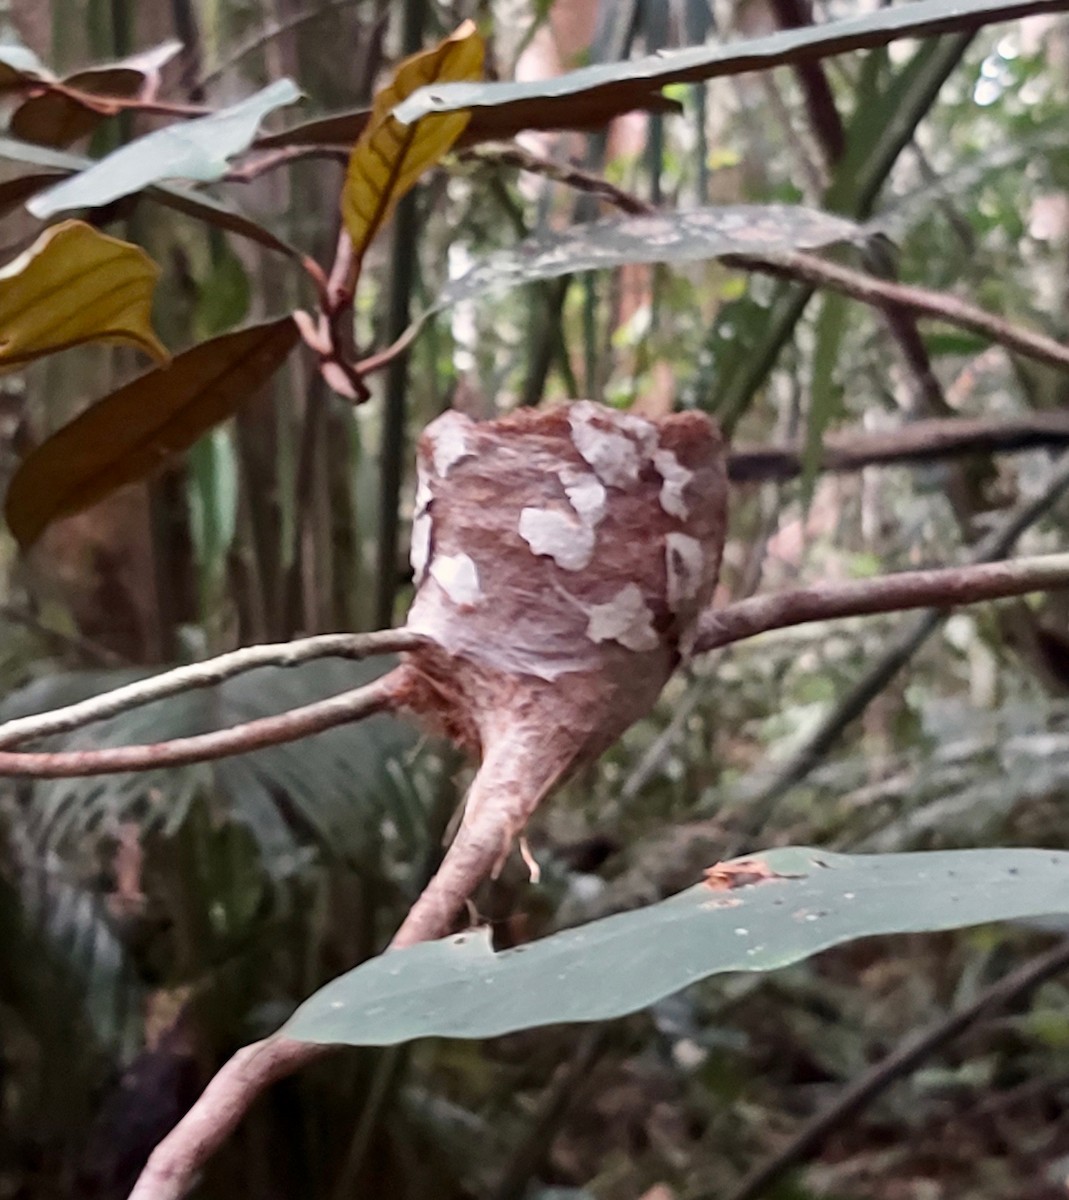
779 908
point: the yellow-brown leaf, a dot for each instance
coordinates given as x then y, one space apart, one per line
129 434
76 285
389 157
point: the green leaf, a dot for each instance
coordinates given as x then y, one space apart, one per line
199 150
684 235
75 285
611 89
180 199
885 121
223 296
459 987
126 436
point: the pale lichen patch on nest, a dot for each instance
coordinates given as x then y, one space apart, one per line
449 442
616 452
626 619
419 550
585 494
685 568
457 576
555 535
675 478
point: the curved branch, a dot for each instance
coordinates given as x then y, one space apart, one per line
216 1114
882 294
384 695
917 442
202 674
944 587
906 1057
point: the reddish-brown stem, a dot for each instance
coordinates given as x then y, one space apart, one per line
381 358
216 1114
944 587
342 282
882 294
261 164
110 106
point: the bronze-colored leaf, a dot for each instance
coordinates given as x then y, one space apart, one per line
76 285
57 119
389 157
19 66
129 434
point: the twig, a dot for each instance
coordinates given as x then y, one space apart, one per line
86 648
879 293
819 101
919 441
553 1106
269 160
762 798
908 1055
111 106
830 135
270 31
383 695
882 294
203 674
944 587
508 155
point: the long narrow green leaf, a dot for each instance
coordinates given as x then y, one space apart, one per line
198 150
181 199
787 906
615 88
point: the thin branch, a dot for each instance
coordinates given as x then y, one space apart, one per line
919 441
882 294
270 31
908 1055
216 1114
763 792
383 695
944 587
507 154
879 293
204 674
270 160
86 648
111 106
819 101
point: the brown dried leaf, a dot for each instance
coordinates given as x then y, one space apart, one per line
740 872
